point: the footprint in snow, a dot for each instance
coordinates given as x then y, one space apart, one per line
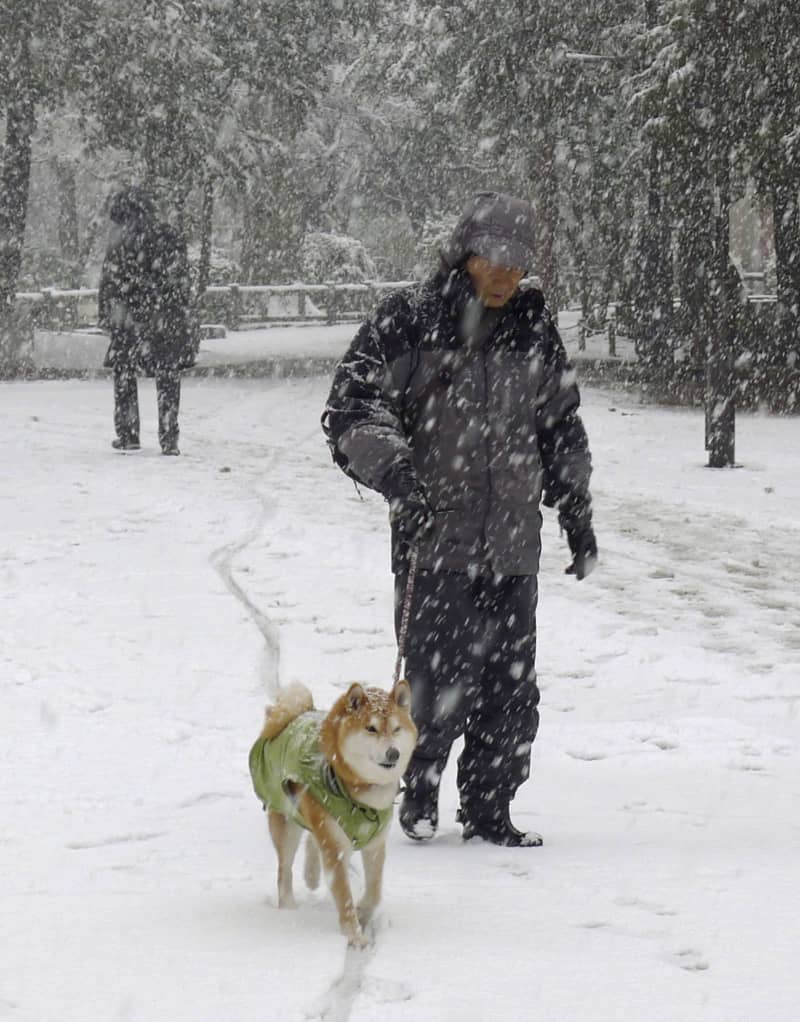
386 991
653 907
588 755
690 960
747 766
665 744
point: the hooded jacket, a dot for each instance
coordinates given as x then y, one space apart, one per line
145 289
126 296
483 404
173 338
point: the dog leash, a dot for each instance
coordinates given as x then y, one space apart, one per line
406 614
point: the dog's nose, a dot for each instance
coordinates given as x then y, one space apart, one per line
392 754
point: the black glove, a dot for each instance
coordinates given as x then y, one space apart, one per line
583 547
409 508
413 515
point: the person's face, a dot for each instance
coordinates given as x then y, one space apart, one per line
493 284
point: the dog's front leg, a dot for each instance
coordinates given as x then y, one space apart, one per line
374 856
335 851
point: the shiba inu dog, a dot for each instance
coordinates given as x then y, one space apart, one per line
336 775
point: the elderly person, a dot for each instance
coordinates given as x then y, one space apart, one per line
457 403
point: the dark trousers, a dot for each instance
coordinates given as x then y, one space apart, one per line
126 405
471 665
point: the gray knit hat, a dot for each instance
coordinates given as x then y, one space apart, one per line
497 227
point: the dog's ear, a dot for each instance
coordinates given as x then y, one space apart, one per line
401 693
356 697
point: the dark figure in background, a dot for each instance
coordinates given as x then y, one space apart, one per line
144 303
456 402
172 344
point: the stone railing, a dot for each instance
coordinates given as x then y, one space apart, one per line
234 306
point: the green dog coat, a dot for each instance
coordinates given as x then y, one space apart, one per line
294 756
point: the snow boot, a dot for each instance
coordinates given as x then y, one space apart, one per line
419 809
126 445
496 828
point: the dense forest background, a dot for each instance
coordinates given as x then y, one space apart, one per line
658 141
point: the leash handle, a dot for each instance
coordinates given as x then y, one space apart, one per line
406 613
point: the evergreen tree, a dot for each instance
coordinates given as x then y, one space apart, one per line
41 45
770 103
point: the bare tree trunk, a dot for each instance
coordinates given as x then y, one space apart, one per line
14 188
97 223
68 230
547 258
206 220
16 174
695 266
783 351
786 216
273 230
720 367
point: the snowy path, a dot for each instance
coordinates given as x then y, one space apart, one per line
143 605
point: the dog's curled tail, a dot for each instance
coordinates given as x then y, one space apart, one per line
291 702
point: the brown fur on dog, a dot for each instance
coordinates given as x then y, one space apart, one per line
367 738
293 700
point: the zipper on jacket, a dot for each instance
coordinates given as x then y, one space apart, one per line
487 449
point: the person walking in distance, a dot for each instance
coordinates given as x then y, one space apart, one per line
457 403
172 345
144 303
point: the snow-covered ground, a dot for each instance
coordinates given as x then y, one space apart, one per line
86 349
143 601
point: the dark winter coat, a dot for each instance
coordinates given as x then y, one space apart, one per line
125 298
144 297
487 416
173 332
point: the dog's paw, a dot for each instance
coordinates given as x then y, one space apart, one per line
365 914
287 901
358 940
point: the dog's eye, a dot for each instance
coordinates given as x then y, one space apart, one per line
397 731
372 729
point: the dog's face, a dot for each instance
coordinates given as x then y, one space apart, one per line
375 734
